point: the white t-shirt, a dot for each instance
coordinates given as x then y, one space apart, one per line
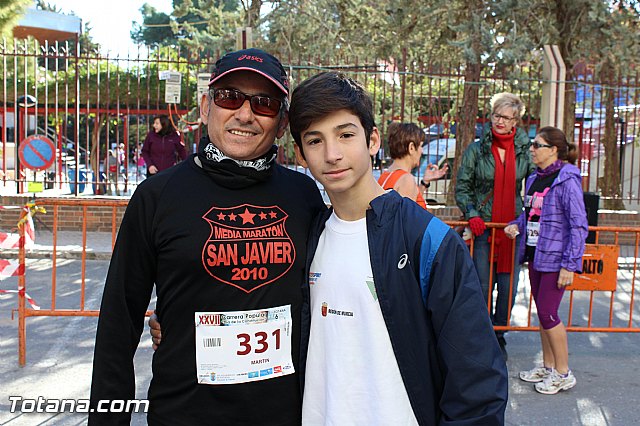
352 376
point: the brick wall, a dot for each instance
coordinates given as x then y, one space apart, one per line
70 215
618 219
99 218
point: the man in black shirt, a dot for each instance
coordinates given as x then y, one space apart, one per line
222 236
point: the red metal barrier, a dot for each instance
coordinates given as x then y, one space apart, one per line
25 310
599 309
580 302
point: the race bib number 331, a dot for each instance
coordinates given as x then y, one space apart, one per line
243 346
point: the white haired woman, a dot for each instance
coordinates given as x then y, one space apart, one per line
488 188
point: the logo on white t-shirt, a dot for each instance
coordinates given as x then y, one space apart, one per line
371 285
313 277
325 310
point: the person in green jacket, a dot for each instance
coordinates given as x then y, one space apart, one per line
486 193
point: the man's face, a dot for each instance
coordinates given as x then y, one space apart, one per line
242 134
336 152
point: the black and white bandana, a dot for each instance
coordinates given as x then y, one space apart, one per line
232 173
212 153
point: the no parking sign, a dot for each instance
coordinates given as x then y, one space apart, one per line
37 152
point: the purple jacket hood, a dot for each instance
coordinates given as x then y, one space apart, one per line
563 224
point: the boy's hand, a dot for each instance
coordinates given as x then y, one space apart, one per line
154 330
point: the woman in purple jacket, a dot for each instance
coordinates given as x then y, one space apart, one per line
162 146
555 225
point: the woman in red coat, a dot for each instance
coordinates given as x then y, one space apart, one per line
162 147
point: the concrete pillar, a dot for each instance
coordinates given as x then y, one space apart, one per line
554 73
244 38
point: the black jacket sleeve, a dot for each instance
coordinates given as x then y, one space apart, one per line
475 387
125 300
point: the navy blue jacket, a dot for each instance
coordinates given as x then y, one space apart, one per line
430 297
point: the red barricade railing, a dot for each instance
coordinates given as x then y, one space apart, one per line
595 310
607 284
111 211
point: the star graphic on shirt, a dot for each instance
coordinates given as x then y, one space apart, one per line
232 217
273 215
263 215
221 216
247 217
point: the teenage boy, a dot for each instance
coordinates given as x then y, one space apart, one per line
395 330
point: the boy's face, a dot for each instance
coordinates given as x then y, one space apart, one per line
336 152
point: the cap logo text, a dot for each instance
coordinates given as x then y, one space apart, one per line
250 58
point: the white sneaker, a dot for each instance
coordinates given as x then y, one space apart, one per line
536 374
555 383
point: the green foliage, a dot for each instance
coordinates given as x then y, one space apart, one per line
354 28
10 12
206 25
155 29
43 5
196 25
87 45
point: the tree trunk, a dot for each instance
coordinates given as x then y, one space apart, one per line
568 126
94 153
610 183
563 14
253 14
466 121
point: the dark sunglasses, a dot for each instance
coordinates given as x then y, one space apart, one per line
537 145
233 99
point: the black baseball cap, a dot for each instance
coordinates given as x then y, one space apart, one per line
255 60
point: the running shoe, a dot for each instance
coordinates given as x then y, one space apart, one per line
556 382
536 374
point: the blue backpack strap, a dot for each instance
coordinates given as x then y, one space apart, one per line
431 240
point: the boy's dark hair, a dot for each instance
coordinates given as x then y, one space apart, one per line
323 94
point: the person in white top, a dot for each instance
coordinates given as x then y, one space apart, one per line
391 340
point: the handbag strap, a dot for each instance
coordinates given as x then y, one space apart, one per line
485 201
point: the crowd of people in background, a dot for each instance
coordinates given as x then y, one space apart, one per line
162 148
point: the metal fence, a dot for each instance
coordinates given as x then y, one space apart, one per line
88 104
603 298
